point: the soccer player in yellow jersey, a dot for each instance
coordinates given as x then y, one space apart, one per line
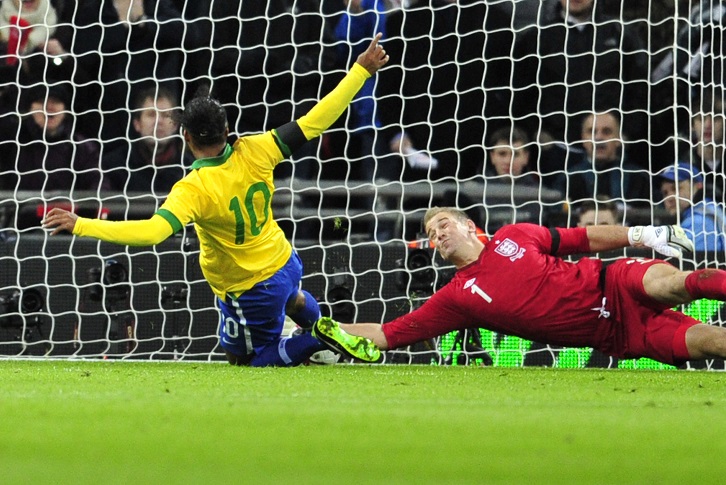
245 256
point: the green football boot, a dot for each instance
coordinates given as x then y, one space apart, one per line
328 331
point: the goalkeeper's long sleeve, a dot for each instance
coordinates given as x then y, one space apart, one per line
131 233
329 109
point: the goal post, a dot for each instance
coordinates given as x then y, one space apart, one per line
87 92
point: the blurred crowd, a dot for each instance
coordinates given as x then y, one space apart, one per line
598 101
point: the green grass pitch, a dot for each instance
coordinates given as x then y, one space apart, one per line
130 422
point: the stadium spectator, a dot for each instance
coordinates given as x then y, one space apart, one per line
26 32
693 65
128 43
42 152
517 284
508 164
155 160
251 267
601 168
509 157
25 26
506 171
577 60
702 218
50 63
706 143
447 59
597 213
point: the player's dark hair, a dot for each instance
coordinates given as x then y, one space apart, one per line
205 119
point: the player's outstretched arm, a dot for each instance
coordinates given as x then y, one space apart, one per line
329 109
132 233
371 331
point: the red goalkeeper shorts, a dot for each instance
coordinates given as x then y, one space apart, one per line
647 327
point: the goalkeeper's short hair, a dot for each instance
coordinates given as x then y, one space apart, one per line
458 214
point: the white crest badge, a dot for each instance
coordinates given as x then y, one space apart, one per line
509 249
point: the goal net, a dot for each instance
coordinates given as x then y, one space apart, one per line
514 111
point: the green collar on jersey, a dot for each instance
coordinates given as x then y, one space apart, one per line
213 161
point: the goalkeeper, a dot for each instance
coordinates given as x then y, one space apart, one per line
517 284
245 257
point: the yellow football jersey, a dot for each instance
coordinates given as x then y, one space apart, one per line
228 198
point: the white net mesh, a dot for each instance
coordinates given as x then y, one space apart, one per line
503 108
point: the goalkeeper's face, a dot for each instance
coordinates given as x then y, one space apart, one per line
449 234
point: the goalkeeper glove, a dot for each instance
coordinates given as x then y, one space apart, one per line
667 240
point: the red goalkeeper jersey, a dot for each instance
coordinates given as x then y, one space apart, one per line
518 286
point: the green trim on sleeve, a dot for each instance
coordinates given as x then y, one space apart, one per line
289 137
176 226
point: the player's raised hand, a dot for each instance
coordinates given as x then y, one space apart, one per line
374 57
59 220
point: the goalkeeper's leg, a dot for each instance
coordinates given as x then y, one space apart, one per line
706 341
669 285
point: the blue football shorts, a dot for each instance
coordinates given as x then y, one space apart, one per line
256 318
